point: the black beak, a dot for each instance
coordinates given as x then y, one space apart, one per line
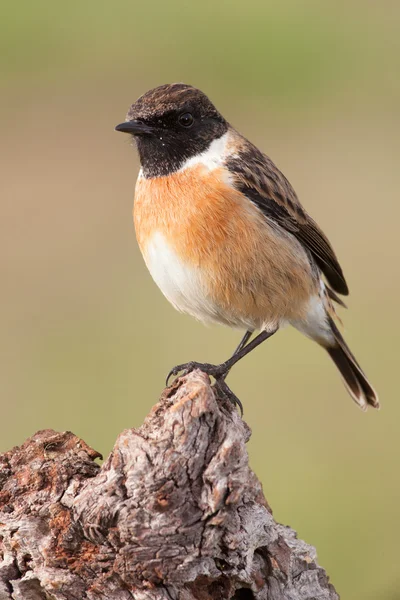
134 128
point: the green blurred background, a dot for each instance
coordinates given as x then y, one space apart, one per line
86 337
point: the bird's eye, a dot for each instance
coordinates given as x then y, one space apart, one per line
186 120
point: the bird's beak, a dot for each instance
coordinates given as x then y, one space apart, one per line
134 128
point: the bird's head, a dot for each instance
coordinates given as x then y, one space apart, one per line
171 124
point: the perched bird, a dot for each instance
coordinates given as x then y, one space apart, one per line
225 237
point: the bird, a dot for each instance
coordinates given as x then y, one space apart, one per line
226 238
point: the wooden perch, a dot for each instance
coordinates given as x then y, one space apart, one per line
174 513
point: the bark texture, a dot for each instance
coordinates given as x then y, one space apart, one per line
175 512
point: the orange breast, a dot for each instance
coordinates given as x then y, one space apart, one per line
249 267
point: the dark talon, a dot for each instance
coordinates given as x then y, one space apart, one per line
176 370
226 391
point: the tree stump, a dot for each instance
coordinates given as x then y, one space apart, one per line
174 513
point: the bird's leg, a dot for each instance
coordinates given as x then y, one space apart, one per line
223 387
243 341
242 344
185 366
219 372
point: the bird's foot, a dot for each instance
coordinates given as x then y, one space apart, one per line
226 391
219 372
216 371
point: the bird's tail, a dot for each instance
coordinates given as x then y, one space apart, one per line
353 376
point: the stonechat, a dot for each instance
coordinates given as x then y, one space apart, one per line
225 237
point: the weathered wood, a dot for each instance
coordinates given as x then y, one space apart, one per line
175 512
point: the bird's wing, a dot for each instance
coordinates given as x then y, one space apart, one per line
261 181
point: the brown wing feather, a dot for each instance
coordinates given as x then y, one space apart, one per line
263 183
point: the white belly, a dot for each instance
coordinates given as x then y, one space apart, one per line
183 285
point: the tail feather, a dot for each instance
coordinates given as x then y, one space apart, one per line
353 376
333 296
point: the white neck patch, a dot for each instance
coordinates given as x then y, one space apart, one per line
212 158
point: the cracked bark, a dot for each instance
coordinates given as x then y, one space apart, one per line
174 513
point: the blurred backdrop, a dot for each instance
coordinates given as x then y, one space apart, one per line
87 338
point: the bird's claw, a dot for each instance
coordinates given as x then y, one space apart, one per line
216 371
226 391
183 369
219 372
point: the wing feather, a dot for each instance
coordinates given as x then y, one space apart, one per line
261 181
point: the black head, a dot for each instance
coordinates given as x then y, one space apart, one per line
170 124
